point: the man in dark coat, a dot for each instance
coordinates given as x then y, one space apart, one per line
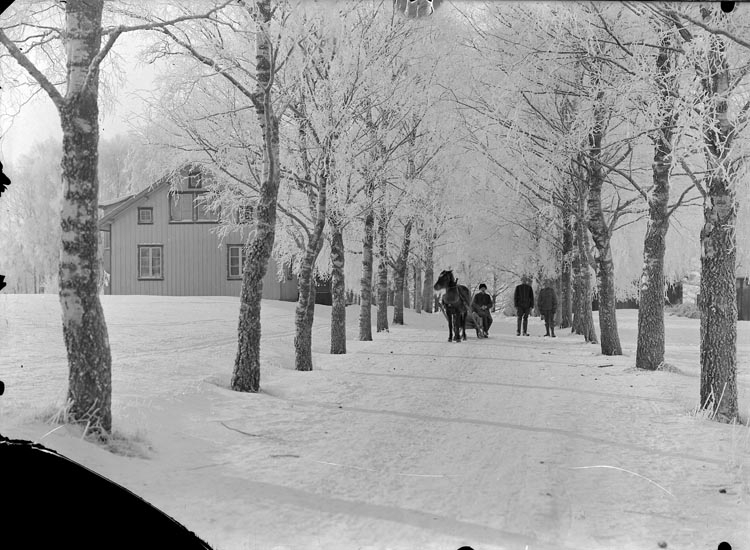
547 306
524 302
482 303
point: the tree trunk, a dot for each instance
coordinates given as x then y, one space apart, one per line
600 233
365 319
406 293
306 302
417 289
566 313
305 309
718 244
560 305
84 327
650 347
382 320
494 292
304 314
398 298
429 275
338 291
585 317
399 276
246 375
577 264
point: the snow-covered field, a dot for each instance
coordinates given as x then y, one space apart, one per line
405 442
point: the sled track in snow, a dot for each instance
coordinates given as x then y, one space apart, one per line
507 425
509 385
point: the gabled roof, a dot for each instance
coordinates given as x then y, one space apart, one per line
112 202
114 209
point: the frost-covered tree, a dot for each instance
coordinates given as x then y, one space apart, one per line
587 78
386 123
60 48
723 113
225 111
329 95
530 116
33 209
716 44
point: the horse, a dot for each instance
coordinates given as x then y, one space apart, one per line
456 303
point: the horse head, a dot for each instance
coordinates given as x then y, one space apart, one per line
445 280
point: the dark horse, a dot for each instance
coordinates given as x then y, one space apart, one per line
456 303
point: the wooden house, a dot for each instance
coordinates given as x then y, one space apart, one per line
164 241
743 299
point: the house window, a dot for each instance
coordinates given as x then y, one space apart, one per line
190 208
235 261
288 275
145 216
202 213
150 259
194 179
245 214
181 207
105 239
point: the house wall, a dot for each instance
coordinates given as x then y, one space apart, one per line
194 260
743 299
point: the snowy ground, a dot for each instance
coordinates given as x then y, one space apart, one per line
406 442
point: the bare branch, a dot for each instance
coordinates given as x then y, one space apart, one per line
681 199
24 61
693 177
708 28
118 30
252 96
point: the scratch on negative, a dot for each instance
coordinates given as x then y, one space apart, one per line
50 432
623 470
382 471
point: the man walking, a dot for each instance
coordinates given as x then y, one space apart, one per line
524 302
548 306
481 304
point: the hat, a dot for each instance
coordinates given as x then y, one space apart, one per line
482 286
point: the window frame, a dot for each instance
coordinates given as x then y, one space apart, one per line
288 273
145 209
193 209
161 258
106 243
194 179
237 277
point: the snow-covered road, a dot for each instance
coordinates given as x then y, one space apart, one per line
405 442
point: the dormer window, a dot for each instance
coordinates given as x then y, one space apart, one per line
194 179
189 207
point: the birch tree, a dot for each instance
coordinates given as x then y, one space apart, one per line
331 86
723 113
26 34
650 345
718 83
424 145
247 160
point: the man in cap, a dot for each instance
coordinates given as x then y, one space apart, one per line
547 306
523 299
481 304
